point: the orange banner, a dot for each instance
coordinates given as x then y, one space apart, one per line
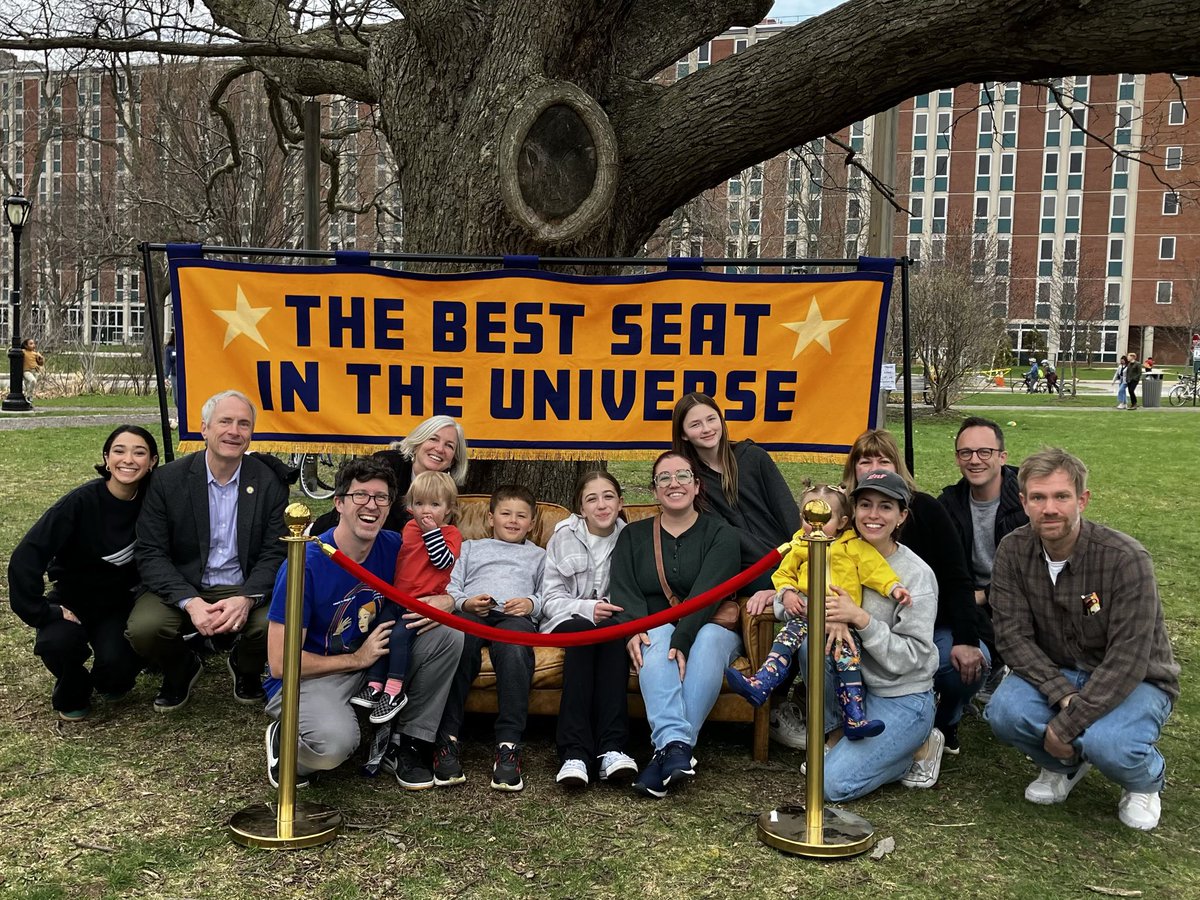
533 364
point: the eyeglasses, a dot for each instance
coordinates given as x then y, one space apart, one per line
683 476
362 498
984 453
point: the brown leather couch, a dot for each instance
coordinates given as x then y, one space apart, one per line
546 691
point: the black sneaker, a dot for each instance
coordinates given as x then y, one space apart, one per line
410 770
272 742
175 691
367 697
950 732
506 771
447 767
386 707
677 763
650 783
247 689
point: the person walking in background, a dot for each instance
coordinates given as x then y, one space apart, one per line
35 362
1133 374
170 360
1119 379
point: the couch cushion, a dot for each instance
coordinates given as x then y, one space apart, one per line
547 671
472 518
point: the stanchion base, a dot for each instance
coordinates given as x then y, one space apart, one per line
845 834
256 826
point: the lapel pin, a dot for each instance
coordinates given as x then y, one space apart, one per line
250 489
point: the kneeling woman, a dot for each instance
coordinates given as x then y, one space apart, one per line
84 542
896 650
679 553
593 715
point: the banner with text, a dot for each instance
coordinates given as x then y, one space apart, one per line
533 364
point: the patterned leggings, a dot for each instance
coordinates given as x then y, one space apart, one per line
793 634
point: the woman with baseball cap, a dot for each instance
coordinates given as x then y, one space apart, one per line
896 649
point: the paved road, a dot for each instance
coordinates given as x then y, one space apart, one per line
77 418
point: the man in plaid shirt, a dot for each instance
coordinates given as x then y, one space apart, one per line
1078 619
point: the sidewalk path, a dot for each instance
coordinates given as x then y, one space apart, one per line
82 418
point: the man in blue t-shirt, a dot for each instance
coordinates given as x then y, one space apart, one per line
340 640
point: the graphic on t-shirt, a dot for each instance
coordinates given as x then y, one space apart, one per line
351 618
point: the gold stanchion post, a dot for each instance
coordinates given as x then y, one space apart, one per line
814 829
288 825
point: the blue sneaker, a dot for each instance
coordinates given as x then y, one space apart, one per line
650 783
677 763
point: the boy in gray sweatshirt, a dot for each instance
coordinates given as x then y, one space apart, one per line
497 581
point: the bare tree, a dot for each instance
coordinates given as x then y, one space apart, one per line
955 331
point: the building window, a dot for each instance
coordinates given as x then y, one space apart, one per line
1050 171
1166 248
943 130
945 97
1041 309
1162 295
1075 171
1124 133
1112 301
938 225
981 214
916 214
920 130
1120 168
1177 114
703 55
941 173
1004 215
986 127
1116 256
1009 137
1173 158
1125 86
983 171
1046 258
1074 210
1070 266
1008 171
1049 208
1117 213
1053 118
1170 203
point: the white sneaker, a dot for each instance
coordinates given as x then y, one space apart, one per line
1053 787
787 726
573 774
617 766
1120 406
1140 811
804 765
927 762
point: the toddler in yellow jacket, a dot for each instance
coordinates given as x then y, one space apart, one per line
852 564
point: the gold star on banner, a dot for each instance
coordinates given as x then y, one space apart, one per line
813 328
243 319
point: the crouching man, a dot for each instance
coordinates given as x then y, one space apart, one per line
1078 619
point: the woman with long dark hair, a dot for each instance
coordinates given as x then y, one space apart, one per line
84 544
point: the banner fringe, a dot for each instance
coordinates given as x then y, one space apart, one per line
494 453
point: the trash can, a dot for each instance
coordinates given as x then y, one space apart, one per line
1152 389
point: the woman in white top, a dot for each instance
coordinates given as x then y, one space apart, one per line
593 720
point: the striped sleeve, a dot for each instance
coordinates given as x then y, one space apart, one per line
440 555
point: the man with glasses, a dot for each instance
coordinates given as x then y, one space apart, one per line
985 505
207 551
340 640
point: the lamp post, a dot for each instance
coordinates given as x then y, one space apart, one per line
16 210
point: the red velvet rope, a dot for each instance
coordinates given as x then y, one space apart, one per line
535 639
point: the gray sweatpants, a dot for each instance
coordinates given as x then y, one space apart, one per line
329 730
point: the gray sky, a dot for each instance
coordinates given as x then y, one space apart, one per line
789 8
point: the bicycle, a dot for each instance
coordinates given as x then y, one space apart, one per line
317 472
1184 391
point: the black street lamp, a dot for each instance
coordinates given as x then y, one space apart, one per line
16 210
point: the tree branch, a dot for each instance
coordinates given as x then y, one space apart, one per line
659 32
817 77
248 49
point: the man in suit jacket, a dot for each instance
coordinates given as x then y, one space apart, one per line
207 550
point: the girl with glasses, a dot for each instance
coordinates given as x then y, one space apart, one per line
681 666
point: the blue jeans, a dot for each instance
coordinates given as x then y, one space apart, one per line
1121 397
676 709
855 768
1120 744
953 692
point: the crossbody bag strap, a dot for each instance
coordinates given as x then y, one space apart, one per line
658 563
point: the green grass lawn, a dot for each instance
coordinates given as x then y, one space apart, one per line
131 803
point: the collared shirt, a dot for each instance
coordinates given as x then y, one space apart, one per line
1101 616
222 566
